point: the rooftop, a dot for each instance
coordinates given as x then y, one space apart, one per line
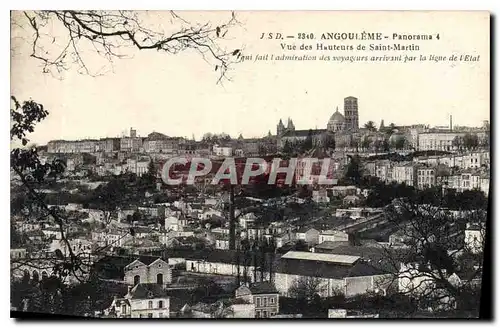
146 291
263 287
332 258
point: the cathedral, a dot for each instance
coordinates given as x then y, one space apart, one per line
349 122
338 124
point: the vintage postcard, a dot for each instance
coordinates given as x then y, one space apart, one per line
249 164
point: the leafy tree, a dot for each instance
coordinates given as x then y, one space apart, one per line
370 126
329 142
353 172
470 141
391 128
399 142
308 143
457 142
306 288
365 143
287 148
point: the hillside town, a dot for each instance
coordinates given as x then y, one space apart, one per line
399 233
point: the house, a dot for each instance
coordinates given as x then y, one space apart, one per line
320 196
405 172
222 241
280 239
246 220
147 269
263 295
209 212
253 232
144 300
94 214
333 273
153 211
194 210
342 191
111 237
309 235
18 253
143 232
29 226
35 235
52 233
332 235
172 223
328 246
78 246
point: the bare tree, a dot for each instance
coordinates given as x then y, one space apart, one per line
67 38
61 40
435 266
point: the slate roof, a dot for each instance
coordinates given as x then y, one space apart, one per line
327 270
330 245
263 287
146 291
340 259
113 267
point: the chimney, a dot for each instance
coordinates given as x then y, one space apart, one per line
451 123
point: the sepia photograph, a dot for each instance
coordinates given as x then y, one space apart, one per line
253 165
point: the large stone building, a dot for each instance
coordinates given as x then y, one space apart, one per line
439 140
132 143
148 270
338 124
347 122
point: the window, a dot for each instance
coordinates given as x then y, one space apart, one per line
150 315
160 315
257 301
264 303
124 309
257 314
160 304
150 304
137 279
159 278
271 300
264 314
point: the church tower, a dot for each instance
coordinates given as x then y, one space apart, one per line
290 126
280 128
351 113
382 126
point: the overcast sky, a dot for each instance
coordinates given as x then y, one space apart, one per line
177 94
